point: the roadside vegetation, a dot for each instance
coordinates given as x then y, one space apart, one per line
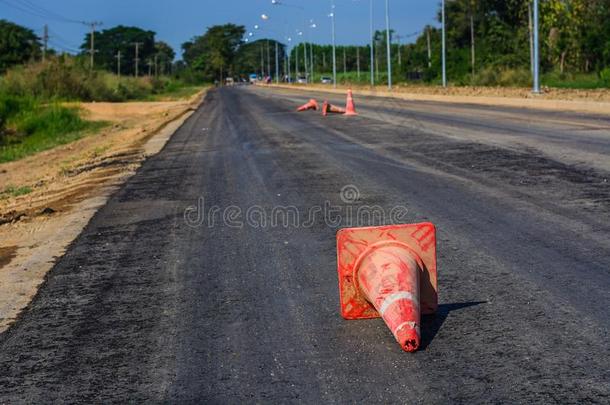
488 44
28 126
37 97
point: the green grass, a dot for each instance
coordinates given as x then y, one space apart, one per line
13 191
490 77
573 81
28 126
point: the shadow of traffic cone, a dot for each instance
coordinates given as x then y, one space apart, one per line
389 271
350 108
310 105
328 108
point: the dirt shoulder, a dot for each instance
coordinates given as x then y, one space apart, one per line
68 184
588 101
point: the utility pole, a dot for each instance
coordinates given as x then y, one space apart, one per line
444 45
156 68
118 62
92 25
45 41
398 38
137 58
344 64
150 64
388 39
429 47
536 88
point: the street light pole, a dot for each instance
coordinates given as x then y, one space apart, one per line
277 64
262 62
332 16
536 88
387 25
444 45
372 48
268 60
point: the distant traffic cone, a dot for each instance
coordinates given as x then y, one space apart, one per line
349 106
310 105
389 271
329 108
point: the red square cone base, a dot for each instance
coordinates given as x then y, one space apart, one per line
353 242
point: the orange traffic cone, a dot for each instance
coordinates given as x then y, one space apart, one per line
329 108
310 105
349 106
389 271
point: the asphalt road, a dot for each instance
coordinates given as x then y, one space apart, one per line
160 301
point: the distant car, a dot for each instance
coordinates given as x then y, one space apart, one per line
302 80
326 80
253 78
229 81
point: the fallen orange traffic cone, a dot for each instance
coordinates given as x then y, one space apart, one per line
310 105
389 271
329 108
349 106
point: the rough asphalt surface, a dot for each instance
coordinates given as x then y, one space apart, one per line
151 305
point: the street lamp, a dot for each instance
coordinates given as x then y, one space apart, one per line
372 48
332 19
289 39
300 33
444 45
536 88
312 25
388 45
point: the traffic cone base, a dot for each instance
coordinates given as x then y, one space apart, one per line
350 108
328 108
310 105
389 272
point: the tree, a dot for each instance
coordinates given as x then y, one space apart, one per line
165 55
121 38
17 45
248 57
213 53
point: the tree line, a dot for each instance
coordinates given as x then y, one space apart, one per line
114 47
482 36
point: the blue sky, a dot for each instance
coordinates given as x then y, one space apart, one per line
176 21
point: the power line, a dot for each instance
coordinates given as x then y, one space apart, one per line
37 11
63 48
62 40
48 12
